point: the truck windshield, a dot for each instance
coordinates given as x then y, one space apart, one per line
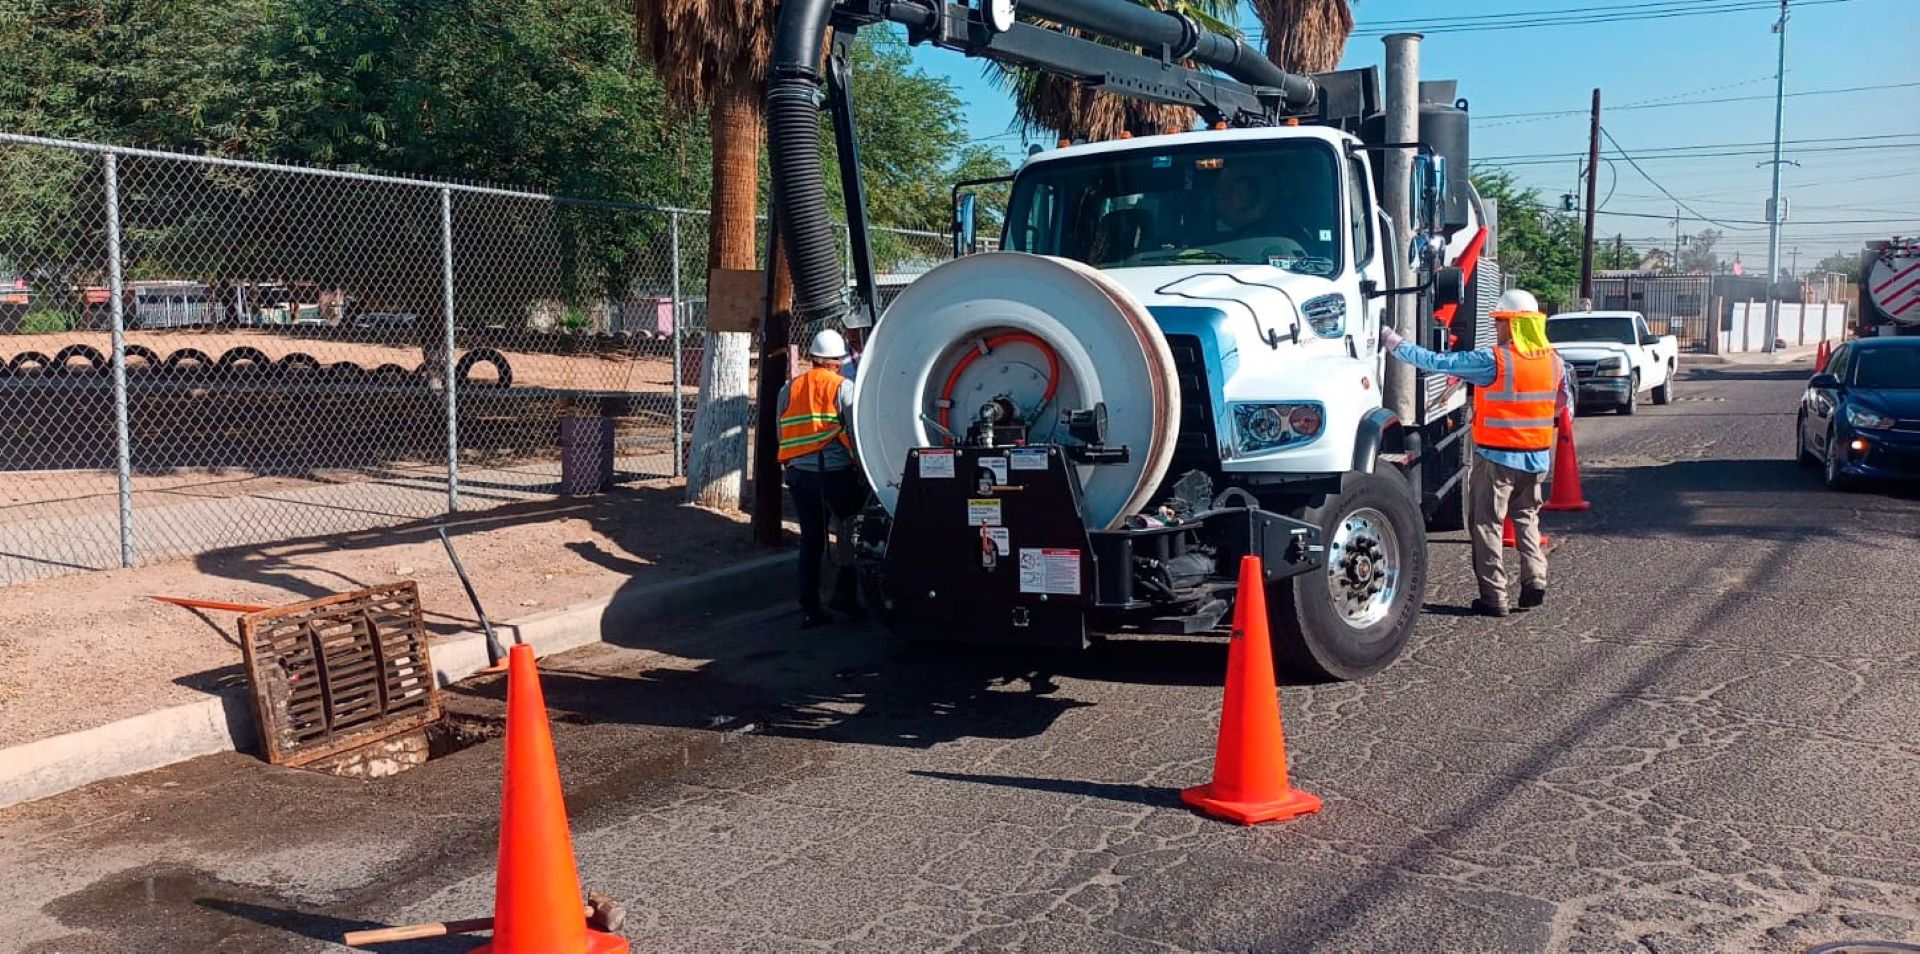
1618 330
1255 203
1887 369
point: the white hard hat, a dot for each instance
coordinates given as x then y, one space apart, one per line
1514 299
828 345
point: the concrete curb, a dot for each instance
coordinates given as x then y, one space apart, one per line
225 722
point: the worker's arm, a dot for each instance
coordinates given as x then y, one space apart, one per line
845 399
1474 367
1566 398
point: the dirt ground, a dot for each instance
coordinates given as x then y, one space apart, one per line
651 372
88 649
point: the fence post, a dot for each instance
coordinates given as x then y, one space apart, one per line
679 331
122 436
446 296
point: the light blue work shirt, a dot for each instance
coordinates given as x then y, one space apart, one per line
1478 368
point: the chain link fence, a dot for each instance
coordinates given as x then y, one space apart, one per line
199 353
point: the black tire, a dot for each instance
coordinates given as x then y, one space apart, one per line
1632 403
96 363
1663 394
188 360
1315 639
297 363
1800 451
391 373
465 365
146 355
29 362
1830 472
245 360
345 370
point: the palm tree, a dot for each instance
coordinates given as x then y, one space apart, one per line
713 55
1305 36
1045 101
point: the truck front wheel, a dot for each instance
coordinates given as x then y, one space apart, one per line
1354 618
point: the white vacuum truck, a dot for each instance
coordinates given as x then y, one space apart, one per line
1172 363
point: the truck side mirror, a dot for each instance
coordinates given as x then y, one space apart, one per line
1429 190
965 226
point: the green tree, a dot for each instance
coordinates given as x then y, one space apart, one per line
1540 249
1698 255
1306 36
1045 101
1844 264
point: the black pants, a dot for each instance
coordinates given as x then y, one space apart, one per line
818 496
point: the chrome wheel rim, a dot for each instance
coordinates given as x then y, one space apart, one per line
1363 567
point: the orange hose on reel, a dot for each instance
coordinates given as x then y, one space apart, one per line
953 379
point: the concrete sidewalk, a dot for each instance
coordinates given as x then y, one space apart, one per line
1788 355
224 721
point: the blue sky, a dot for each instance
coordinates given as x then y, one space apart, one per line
1832 45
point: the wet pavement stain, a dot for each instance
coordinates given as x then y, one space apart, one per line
167 908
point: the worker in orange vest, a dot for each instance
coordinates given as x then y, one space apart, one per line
816 447
1520 388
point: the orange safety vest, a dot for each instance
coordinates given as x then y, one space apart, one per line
811 419
1516 411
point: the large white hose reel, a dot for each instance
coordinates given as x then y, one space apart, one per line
1031 324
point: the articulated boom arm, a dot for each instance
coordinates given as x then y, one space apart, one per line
1251 92
1254 91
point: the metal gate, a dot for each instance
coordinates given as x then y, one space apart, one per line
1678 305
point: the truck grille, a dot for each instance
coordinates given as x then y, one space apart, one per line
1195 446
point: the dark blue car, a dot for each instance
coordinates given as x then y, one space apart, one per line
1860 418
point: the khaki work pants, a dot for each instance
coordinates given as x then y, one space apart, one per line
1498 492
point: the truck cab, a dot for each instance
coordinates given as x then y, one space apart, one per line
1255 250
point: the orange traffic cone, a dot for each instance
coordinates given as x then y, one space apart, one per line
536 900
1565 492
1250 764
1508 540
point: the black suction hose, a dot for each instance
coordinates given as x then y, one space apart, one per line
793 154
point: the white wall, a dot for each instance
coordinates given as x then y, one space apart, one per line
1799 325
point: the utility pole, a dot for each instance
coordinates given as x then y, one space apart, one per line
1403 126
1795 273
1676 241
1593 198
1618 252
1773 209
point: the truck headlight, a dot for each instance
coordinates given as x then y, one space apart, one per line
1265 427
1861 417
1614 367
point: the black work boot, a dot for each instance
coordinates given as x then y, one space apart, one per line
1485 608
846 596
1532 596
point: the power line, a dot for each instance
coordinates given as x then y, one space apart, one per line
1690 147
1665 103
1576 16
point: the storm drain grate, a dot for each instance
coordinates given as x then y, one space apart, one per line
336 673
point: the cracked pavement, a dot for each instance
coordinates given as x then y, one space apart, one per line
1704 742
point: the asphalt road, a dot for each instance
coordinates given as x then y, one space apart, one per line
1705 742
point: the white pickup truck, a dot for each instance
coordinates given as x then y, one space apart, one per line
1613 357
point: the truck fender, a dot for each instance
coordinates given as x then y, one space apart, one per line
1379 430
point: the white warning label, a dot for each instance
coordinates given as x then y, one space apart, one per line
998 466
1002 541
1028 458
1050 570
936 463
